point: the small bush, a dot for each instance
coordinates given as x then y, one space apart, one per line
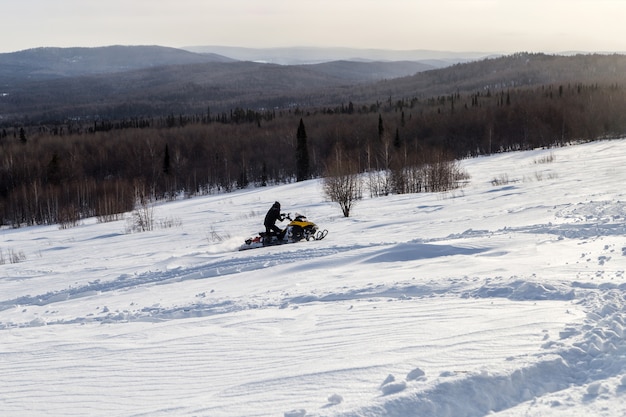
110 217
11 256
380 183
69 217
444 175
539 176
503 179
169 223
547 159
142 218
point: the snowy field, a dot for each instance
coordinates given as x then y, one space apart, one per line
503 298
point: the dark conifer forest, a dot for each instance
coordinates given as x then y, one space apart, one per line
72 148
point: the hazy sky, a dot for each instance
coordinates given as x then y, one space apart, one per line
452 25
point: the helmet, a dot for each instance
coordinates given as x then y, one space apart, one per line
276 204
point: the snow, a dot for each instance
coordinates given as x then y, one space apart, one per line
503 298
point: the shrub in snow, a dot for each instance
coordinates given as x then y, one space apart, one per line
11 256
142 218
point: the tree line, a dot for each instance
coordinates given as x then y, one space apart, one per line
61 173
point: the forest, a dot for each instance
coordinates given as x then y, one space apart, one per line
61 172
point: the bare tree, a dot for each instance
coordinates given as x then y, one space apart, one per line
342 181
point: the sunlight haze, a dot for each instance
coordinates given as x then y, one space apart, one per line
451 25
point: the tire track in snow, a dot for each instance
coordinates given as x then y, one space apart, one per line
237 263
205 271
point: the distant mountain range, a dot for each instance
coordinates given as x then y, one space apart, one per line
313 55
46 84
368 64
48 63
50 82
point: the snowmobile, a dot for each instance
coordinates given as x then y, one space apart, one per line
299 228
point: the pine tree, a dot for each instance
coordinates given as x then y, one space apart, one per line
264 175
302 154
397 143
166 160
53 170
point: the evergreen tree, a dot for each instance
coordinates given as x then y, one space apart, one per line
264 175
166 160
381 128
302 154
397 143
242 181
53 170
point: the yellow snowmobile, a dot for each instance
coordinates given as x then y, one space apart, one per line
299 228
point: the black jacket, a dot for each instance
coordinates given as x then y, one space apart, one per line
272 215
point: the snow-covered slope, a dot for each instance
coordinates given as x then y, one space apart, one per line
504 297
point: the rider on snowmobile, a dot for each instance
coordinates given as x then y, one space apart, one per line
270 221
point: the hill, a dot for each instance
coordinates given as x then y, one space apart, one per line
174 89
50 63
520 70
358 72
55 89
500 299
316 55
118 82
